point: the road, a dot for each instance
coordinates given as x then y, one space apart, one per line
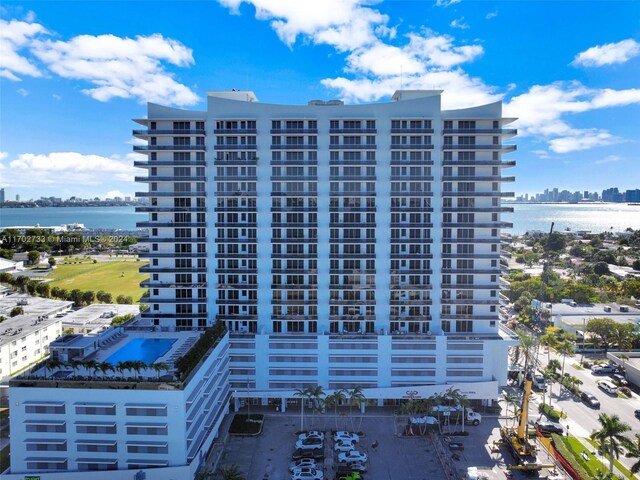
581 419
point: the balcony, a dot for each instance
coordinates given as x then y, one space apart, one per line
294 131
170 224
156 132
478 178
171 194
352 131
496 147
176 148
235 146
412 130
473 163
296 146
157 269
155 178
480 131
359 146
157 284
478 194
411 146
168 209
169 163
172 255
236 131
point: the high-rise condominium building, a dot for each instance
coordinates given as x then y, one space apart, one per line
342 245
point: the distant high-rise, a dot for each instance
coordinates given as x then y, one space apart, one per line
1 195
342 245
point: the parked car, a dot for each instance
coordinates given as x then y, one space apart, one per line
303 462
317 454
602 369
311 434
343 435
608 387
547 426
351 456
590 399
310 443
637 414
619 380
344 446
307 474
359 467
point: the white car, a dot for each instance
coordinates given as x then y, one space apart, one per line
352 456
307 474
346 436
310 443
344 446
311 434
303 462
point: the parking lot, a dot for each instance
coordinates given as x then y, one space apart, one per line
268 455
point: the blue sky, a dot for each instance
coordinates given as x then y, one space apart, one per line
73 74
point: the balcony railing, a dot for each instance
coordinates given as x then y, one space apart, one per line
152 148
152 132
480 131
504 148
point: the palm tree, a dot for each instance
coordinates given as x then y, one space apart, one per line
357 398
335 399
610 435
565 347
633 451
231 472
91 365
52 365
550 340
105 367
315 394
159 367
123 366
75 365
137 366
301 393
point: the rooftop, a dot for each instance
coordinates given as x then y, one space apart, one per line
36 317
31 305
96 317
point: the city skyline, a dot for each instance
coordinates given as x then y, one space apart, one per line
572 88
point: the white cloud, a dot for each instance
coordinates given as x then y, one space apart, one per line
56 96
23 92
114 194
540 112
66 168
460 90
608 159
121 67
608 54
3 155
541 153
584 139
15 36
446 3
491 15
459 23
344 24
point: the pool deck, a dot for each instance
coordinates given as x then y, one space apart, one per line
106 348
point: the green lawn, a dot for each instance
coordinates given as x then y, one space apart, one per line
115 277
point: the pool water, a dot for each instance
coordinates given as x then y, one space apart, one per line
146 349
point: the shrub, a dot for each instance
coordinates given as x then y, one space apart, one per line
16 311
549 412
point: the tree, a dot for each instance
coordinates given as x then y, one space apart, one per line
52 262
7 253
42 289
636 264
159 367
549 340
510 399
565 347
231 472
555 242
610 437
76 297
601 268
302 394
356 398
34 257
633 451
316 395
93 366
121 299
335 399
88 297
15 311
137 366
603 330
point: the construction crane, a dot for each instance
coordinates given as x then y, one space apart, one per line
516 438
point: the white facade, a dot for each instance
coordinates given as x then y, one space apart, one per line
110 429
24 340
342 245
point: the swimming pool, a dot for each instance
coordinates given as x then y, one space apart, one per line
146 349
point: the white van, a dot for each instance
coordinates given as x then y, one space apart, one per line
608 387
